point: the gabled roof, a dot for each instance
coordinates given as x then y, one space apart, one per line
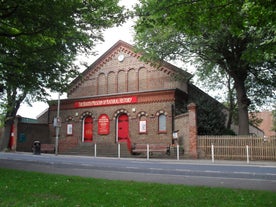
125 47
101 60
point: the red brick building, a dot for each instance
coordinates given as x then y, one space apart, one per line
121 99
267 123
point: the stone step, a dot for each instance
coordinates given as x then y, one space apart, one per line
106 149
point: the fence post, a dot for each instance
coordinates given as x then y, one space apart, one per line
147 151
247 154
119 150
95 150
213 156
177 151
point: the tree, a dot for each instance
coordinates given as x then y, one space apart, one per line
210 113
236 37
39 41
213 79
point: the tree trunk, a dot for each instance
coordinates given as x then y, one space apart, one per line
5 138
243 103
231 101
14 105
230 119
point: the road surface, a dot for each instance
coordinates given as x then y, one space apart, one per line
258 176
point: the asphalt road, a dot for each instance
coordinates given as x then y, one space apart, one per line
255 175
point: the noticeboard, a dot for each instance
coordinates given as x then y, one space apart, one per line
103 124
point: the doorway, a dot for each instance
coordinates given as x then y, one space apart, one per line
88 129
123 130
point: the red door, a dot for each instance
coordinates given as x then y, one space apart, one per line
122 128
88 127
123 134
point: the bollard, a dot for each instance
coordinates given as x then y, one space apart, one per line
213 156
119 150
247 154
177 151
147 151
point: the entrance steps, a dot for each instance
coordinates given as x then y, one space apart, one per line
102 150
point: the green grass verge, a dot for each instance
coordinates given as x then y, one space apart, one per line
20 188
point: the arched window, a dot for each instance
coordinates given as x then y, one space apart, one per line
162 125
143 125
131 80
122 81
111 85
143 82
69 125
102 84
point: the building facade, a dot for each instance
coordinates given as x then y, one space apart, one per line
267 123
121 99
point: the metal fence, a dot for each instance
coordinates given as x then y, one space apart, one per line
237 147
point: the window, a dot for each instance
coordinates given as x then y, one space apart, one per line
162 123
142 125
111 83
102 84
122 81
69 129
131 80
69 125
143 79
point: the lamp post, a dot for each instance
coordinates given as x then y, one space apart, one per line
58 125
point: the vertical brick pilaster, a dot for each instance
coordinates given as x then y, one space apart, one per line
192 131
14 133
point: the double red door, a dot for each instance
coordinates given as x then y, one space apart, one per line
123 129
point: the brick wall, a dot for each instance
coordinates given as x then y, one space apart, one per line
186 126
192 131
109 76
181 124
28 133
149 109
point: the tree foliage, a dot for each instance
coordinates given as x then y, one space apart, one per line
39 41
235 37
216 80
211 115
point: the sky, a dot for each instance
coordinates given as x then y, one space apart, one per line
111 36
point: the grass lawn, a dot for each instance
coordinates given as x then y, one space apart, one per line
20 188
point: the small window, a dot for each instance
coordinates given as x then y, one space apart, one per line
162 123
69 129
142 125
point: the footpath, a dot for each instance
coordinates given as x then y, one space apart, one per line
174 161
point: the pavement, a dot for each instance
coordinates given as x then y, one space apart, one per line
175 161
